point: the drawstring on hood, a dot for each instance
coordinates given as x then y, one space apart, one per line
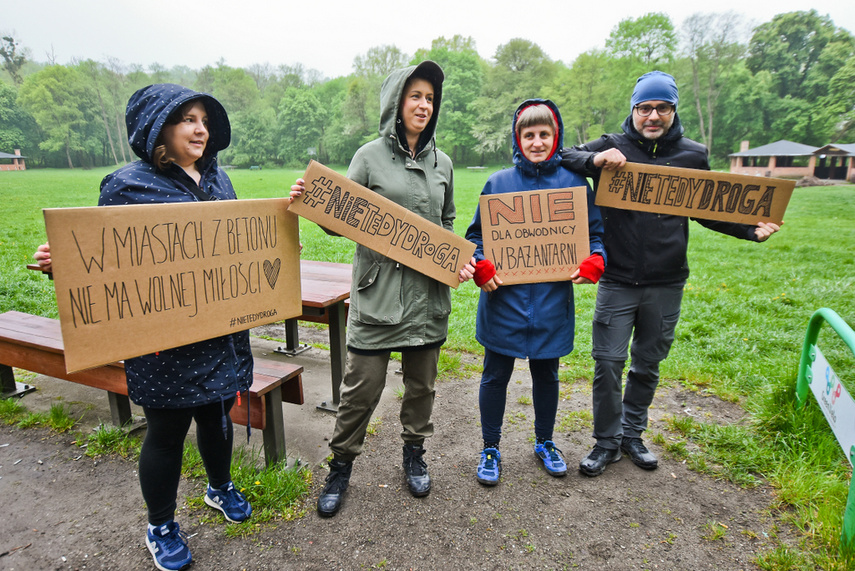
391 126
225 421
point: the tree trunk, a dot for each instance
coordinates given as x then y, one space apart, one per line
119 130
68 154
696 82
107 127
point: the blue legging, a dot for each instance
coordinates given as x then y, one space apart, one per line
163 448
494 389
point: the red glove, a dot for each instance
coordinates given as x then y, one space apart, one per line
592 267
484 272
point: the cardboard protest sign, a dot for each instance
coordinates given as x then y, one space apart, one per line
132 280
535 236
351 210
696 193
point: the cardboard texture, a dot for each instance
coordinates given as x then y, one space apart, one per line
351 210
132 280
695 193
535 236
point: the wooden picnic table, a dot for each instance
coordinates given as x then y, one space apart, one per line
325 291
325 288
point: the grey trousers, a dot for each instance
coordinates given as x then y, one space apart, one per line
649 315
361 388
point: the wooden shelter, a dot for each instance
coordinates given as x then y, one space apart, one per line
12 162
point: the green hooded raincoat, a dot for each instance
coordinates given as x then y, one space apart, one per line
393 307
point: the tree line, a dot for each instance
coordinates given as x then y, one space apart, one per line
792 77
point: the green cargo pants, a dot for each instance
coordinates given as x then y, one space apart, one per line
363 383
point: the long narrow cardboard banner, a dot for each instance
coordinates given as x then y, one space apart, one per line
696 193
136 279
351 210
535 236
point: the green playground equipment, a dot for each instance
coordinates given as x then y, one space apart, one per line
817 375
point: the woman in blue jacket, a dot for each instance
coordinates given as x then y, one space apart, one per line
534 321
177 133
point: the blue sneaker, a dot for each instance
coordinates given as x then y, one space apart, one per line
551 457
168 546
490 467
231 502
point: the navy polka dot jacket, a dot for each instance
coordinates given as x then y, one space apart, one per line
207 371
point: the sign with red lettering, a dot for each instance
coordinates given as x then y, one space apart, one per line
695 193
136 279
537 235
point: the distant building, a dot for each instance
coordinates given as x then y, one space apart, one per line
778 159
835 162
16 164
786 159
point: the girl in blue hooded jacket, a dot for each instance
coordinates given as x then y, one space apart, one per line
536 320
177 133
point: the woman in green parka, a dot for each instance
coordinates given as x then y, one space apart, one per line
392 307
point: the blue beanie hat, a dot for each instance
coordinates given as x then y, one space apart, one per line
655 86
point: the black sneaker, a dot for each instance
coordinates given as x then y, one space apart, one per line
639 454
329 502
596 461
415 469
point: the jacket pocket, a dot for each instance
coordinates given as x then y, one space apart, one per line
442 294
378 295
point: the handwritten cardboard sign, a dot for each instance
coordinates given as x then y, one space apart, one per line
136 279
696 193
351 210
535 236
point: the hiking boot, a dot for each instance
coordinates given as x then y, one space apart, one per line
329 502
415 469
597 459
639 454
231 502
490 467
551 458
168 547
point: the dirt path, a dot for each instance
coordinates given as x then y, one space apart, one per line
67 511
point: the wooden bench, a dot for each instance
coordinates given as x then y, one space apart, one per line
34 343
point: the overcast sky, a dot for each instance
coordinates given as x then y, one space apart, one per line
327 34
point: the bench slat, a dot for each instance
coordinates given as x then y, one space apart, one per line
31 330
110 377
266 369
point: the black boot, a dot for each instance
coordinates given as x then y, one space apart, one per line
415 469
329 501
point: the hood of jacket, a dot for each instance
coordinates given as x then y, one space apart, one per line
150 107
390 101
675 133
554 160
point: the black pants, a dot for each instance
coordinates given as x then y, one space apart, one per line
163 448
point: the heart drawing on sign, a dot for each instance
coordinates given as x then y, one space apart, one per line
271 271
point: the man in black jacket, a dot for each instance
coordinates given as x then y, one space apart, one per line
642 287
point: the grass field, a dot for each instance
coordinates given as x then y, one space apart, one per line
744 315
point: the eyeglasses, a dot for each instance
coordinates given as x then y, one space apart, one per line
663 109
